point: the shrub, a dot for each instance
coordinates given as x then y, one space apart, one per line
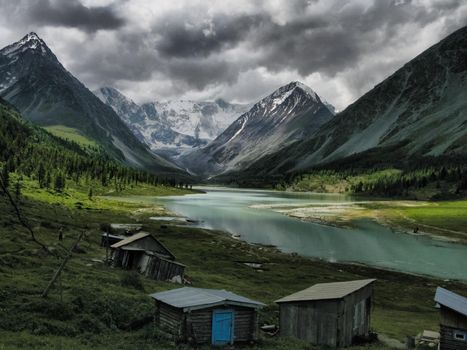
132 279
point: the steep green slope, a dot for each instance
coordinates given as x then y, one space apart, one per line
418 112
30 151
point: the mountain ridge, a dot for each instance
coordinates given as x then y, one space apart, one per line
400 113
37 84
278 119
173 126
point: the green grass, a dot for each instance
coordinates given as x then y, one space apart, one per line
445 218
76 195
70 134
96 304
329 182
450 214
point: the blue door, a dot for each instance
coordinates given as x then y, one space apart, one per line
222 327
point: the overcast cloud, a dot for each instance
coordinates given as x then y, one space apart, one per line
240 51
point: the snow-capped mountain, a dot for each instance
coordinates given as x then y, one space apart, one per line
419 111
173 126
34 81
291 113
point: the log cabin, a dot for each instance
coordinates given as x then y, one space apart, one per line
453 319
206 316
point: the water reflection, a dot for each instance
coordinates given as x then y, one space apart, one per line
368 242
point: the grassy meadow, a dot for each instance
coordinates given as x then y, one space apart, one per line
429 207
70 134
96 303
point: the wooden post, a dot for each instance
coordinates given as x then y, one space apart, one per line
107 247
62 265
61 290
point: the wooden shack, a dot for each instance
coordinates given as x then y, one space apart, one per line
331 314
206 316
144 253
453 319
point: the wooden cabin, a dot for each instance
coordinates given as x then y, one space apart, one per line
330 314
206 316
453 319
144 253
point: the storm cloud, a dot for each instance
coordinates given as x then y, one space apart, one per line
207 49
72 13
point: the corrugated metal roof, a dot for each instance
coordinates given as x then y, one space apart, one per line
189 298
451 300
130 239
323 291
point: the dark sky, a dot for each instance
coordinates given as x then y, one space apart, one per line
238 50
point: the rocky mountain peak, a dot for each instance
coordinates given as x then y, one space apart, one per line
30 42
287 100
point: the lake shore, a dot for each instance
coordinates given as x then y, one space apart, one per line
388 213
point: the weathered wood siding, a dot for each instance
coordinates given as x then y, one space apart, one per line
451 323
356 316
150 265
453 319
199 324
170 320
448 340
161 269
328 322
313 321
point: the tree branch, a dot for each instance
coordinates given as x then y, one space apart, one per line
20 218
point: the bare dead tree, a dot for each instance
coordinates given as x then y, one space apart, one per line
20 217
58 272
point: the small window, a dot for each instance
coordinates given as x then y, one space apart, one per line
458 335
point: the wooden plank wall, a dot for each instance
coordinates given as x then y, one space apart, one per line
199 324
170 320
151 266
163 269
453 319
245 325
347 327
315 322
448 342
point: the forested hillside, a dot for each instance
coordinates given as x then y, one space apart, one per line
32 152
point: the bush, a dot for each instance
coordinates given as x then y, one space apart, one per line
132 279
88 324
51 309
47 327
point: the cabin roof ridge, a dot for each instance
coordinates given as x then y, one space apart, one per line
330 290
451 300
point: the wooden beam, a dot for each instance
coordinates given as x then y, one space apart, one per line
62 265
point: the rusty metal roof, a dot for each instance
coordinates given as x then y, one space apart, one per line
325 291
189 298
130 239
451 300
